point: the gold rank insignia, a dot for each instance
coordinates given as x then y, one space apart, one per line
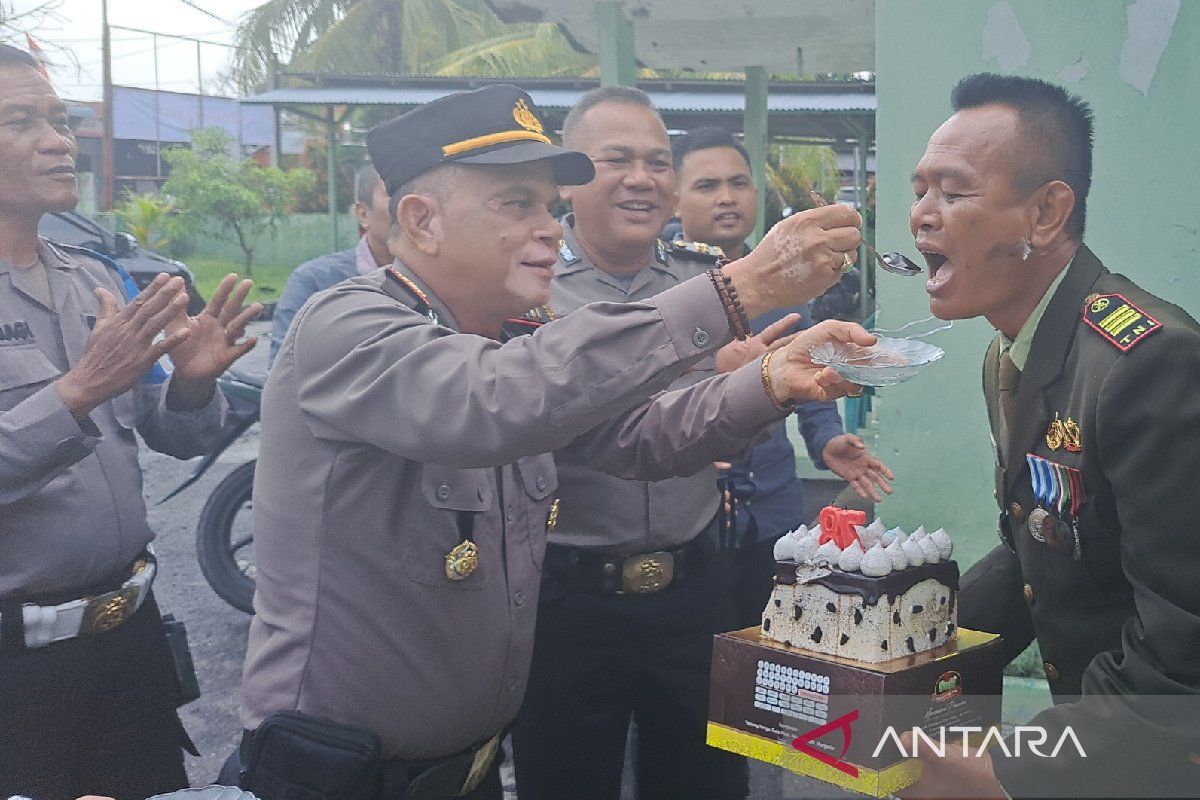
525 117
552 518
1055 434
1071 436
462 561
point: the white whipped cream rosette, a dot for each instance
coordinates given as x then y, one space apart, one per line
851 557
877 527
912 551
868 537
895 552
929 547
895 534
806 548
944 544
785 548
919 532
828 553
876 562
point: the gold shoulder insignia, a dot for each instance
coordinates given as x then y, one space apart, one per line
566 253
1118 321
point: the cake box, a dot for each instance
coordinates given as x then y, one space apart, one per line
837 719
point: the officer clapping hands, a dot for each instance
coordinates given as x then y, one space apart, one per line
124 344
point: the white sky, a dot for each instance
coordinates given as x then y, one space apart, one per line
75 26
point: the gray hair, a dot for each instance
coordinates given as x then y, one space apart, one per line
435 182
604 94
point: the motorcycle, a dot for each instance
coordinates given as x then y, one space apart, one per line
224 536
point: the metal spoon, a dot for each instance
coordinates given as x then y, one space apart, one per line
896 263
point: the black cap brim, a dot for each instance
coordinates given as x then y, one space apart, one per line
571 168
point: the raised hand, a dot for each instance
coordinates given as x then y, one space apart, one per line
743 351
799 259
212 343
848 458
791 370
122 346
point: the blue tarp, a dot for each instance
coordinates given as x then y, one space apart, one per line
169 116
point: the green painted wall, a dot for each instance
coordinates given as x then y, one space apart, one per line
1142 211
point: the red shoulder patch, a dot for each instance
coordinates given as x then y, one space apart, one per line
1118 321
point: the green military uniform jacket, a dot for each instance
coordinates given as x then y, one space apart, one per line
1113 599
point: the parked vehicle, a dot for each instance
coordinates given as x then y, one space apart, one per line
70 227
224 536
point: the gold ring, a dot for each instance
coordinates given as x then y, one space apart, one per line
847 262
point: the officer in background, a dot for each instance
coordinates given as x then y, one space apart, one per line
1093 393
371 252
405 486
632 591
717 203
88 689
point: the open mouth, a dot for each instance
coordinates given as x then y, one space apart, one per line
728 216
638 206
934 261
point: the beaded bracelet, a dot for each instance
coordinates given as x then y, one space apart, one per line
785 406
735 312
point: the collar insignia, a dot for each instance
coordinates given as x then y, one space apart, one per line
566 253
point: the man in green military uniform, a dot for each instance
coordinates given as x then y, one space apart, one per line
1092 389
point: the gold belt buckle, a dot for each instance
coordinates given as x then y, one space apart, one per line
647 573
480 764
107 611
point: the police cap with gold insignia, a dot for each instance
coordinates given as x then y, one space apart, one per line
498 124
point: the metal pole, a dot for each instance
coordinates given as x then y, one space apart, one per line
754 126
157 118
199 85
867 264
106 145
331 166
614 35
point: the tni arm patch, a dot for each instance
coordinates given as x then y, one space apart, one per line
1118 320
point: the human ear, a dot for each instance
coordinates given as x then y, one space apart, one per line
420 218
1055 201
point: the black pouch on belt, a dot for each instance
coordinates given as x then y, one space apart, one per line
181 656
292 756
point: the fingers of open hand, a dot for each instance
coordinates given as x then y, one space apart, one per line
108 306
161 312
835 215
233 306
235 329
778 328
169 342
154 300
220 295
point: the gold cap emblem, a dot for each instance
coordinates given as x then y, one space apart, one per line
525 117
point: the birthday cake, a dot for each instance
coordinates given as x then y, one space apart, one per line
862 592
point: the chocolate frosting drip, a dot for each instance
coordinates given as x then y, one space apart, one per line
870 589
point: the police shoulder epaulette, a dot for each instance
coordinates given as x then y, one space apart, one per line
1118 321
698 251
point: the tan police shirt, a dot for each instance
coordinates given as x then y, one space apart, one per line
600 511
71 507
383 430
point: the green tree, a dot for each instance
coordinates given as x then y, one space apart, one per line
240 198
145 217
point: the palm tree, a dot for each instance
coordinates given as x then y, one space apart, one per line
442 37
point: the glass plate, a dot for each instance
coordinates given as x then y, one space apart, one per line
888 362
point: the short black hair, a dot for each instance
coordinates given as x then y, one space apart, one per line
604 94
15 57
364 185
704 139
1058 126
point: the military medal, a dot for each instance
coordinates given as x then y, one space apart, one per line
1055 433
1071 436
462 561
1060 495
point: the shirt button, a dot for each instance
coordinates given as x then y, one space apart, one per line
700 338
1028 592
519 598
1015 510
443 492
1051 671
541 483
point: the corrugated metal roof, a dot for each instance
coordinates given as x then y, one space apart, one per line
676 101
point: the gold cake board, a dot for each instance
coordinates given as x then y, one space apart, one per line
869 782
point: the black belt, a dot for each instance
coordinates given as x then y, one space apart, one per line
640 573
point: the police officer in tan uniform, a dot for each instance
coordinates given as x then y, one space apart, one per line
405 486
1092 388
88 689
